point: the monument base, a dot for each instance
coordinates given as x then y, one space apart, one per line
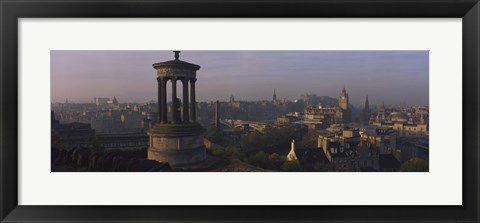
179 145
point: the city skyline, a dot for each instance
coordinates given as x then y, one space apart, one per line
263 133
392 77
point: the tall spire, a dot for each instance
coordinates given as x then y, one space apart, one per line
274 94
367 105
366 111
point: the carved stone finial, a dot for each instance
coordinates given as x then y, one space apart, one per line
177 54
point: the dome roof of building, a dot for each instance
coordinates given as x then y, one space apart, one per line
177 63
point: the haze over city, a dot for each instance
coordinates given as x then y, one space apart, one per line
393 77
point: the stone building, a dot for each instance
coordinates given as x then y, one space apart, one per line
101 102
113 103
72 134
353 155
326 115
406 129
407 121
358 148
382 137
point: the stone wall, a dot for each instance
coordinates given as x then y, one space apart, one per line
177 151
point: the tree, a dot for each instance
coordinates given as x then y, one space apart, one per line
291 166
57 141
342 169
274 157
272 137
216 152
415 165
323 167
213 134
260 159
309 139
94 144
234 152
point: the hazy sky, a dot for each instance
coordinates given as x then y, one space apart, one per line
389 76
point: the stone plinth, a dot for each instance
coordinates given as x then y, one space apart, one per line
179 145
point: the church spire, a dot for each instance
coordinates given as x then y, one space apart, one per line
366 111
367 105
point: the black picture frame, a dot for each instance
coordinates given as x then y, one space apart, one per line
12 10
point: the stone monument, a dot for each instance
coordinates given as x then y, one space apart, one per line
178 141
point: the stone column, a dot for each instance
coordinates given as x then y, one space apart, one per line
185 100
174 100
159 116
164 100
193 104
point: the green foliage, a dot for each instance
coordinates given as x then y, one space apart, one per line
323 167
94 143
274 157
235 152
214 135
342 169
309 139
260 159
228 152
217 152
415 165
255 140
57 141
273 136
291 166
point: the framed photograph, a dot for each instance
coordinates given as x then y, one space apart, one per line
239 111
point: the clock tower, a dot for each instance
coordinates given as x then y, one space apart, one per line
343 99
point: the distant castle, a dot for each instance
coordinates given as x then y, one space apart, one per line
105 102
